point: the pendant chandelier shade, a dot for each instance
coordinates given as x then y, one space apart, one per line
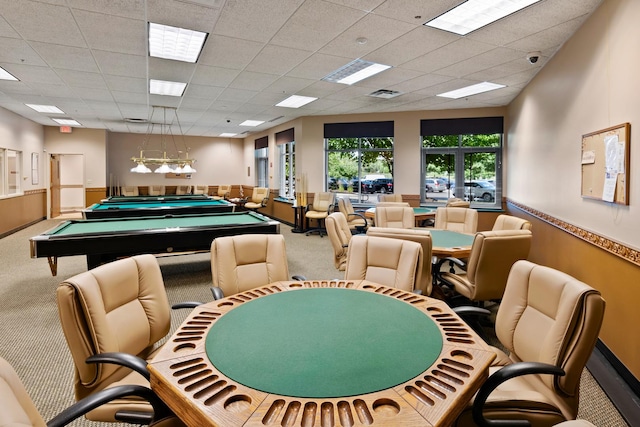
155 154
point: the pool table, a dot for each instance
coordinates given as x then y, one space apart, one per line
137 199
156 208
104 240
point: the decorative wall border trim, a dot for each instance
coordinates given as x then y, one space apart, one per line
40 190
616 248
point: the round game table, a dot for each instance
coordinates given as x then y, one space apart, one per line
322 353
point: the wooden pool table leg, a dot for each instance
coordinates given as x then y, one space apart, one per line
53 265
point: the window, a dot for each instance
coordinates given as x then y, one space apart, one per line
359 158
462 158
286 163
10 171
262 161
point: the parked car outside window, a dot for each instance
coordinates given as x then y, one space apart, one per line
433 185
480 190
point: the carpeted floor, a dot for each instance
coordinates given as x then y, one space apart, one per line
31 339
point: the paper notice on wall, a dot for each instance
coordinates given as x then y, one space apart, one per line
588 157
609 190
612 155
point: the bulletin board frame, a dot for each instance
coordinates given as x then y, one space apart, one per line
605 164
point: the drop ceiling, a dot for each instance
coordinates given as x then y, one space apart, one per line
89 58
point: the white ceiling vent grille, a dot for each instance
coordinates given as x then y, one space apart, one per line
385 93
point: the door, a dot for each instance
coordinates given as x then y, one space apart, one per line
54 186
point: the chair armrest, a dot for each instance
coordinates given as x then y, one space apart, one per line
217 293
122 359
467 310
101 397
264 201
186 304
500 376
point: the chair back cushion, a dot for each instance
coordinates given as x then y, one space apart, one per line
156 190
339 234
259 194
129 190
16 407
183 189
548 316
394 217
345 206
201 189
493 253
117 307
322 202
456 202
224 190
390 262
509 222
415 235
243 262
461 220
390 197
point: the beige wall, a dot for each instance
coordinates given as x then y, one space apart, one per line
90 143
590 84
218 160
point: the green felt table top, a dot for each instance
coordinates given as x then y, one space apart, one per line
323 343
159 204
450 239
92 226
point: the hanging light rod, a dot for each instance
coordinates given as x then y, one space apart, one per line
176 163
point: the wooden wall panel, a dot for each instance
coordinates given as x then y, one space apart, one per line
611 268
94 195
21 211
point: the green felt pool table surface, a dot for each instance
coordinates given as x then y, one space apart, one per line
103 240
156 208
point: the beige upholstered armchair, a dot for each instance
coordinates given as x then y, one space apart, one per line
549 323
355 219
455 202
259 198
508 222
247 261
415 235
201 189
129 190
340 235
183 189
461 220
223 192
396 197
483 276
319 210
390 262
116 308
394 216
18 409
156 190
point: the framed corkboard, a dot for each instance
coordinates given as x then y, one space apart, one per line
605 164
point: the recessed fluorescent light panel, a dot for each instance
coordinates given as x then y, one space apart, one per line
471 90
251 123
474 14
355 71
5 75
66 122
226 134
175 43
45 108
295 101
161 87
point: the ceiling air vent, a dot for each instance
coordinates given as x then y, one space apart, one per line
385 93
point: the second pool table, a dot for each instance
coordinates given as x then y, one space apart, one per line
156 208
